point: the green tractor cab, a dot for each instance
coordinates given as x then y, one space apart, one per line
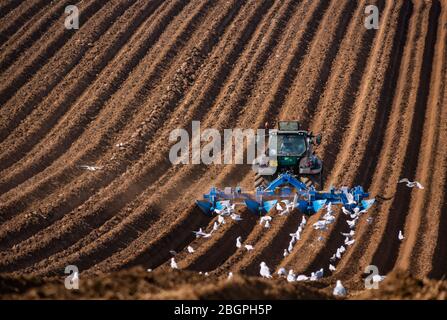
290 150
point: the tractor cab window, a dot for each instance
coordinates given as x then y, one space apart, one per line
291 145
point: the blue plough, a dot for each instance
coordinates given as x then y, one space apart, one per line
284 188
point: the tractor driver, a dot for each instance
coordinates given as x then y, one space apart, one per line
293 145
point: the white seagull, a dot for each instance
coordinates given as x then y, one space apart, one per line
345 211
302 277
291 276
190 249
221 219
249 247
411 184
282 272
401 236
238 242
202 234
286 253
339 290
265 271
173 264
331 267
236 217
90 168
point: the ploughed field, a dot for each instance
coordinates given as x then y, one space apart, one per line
109 94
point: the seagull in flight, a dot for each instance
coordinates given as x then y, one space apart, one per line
411 184
202 234
90 168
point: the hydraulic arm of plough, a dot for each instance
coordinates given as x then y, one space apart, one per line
288 189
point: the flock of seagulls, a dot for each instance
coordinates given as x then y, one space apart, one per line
285 207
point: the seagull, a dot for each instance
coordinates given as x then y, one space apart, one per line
278 207
331 267
265 271
296 235
173 264
401 236
329 218
291 276
338 254
91 168
370 220
317 275
303 221
282 272
411 184
267 224
350 234
342 249
359 212
172 252
378 278
238 242
200 233
286 253
290 248
352 223
320 225
221 219
333 258
265 219
236 217
215 226
230 275
249 247
349 242
149 270
302 277
339 290
190 249
206 274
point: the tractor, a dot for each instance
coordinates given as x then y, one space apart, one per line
290 150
